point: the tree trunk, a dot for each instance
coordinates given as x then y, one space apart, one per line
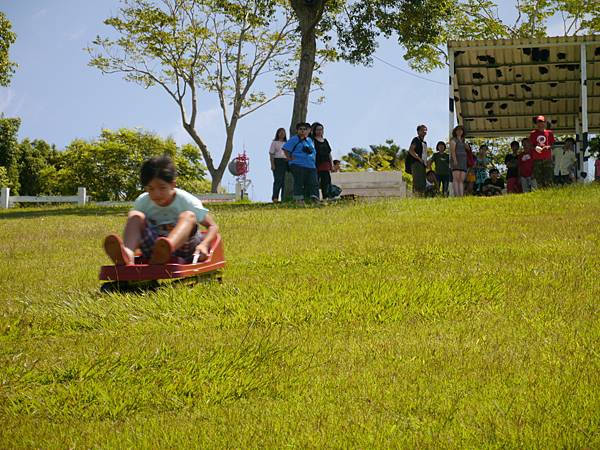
216 173
308 17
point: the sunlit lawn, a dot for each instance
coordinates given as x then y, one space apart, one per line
406 323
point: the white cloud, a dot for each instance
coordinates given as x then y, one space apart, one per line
10 105
75 35
6 97
39 13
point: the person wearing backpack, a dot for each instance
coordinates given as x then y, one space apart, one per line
416 161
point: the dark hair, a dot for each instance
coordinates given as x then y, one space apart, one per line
570 139
277 134
302 124
494 170
421 126
513 143
314 126
438 144
456 128
161 167
336 161
431 172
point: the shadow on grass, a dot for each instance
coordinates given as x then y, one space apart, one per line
45 211
20 213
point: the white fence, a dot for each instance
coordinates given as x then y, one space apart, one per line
6 200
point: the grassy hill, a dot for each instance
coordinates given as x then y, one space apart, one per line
407 323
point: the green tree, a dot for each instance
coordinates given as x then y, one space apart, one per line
9 151
379 157
195 47
34 159
3 177
7 38
421 27
109 166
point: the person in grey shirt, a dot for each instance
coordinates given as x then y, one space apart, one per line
458 160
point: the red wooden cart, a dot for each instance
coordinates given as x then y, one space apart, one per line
142 275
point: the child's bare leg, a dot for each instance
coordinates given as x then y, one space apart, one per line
123 252
136 221
176 238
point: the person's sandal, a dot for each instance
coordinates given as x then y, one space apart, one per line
114 248
162 251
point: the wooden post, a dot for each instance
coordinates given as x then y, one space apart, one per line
81 196
4 197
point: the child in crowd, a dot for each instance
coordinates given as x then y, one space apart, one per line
301 153
337 166
432 187
163 222
493 185
565 161
513 185
441 164
481 165
528 183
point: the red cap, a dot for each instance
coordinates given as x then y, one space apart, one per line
540 119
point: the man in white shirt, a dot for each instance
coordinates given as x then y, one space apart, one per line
564 162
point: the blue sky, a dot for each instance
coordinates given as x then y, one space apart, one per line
59 98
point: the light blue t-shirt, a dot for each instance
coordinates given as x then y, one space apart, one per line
297 148
168 215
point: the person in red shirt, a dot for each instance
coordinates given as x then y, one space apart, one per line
528 183
541 141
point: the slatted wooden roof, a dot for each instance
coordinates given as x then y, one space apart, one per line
500 85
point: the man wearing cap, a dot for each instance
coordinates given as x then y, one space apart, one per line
541 141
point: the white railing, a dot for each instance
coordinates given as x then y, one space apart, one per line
6 200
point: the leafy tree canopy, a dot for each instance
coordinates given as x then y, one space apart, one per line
7 38
109 166
423 27
195 47
379 157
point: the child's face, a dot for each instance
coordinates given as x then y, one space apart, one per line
160 191
303 132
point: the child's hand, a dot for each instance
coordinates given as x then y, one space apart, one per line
202 251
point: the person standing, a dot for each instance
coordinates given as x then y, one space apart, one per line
458 155
301 155
324 159
441 164
416 161
279 163
541 141
564 159
513 186
528 183
482 163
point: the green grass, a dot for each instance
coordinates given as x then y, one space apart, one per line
330 330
